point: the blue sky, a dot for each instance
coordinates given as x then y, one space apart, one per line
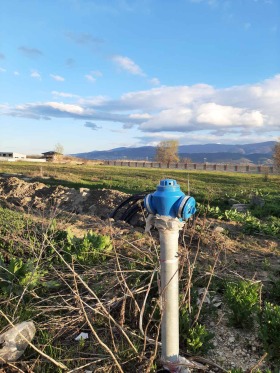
100 74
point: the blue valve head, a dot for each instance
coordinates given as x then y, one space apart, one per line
169 200
186 207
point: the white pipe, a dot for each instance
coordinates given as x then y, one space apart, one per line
169 232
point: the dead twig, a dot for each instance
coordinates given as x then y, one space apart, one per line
95 296
258 363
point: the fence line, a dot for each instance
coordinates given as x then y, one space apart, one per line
249 169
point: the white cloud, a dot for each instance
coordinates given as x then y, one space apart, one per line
221 116
166 97
2 70
140 116
58 78
155 81
91 77
128 65
68 108
16 73
64 94
5 108
34 74
94 101
177 119
246 110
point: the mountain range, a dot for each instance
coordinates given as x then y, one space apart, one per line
257 153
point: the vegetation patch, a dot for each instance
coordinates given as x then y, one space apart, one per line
102 277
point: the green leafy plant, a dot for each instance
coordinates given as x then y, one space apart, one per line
234 215
90 249
269 226
269 323
17 274
242 299
211 211
196 338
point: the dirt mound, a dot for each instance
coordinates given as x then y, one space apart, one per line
38 196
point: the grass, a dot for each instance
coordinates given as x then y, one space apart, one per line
204 185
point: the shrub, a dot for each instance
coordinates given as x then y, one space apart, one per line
269 331
242 300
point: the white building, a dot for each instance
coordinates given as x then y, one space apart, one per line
11 156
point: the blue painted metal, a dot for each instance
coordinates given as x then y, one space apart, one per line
169 200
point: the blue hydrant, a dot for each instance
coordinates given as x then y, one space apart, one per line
169 200
169 207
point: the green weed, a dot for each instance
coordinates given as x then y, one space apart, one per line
269 323
242 299
196 338
17 275
90 249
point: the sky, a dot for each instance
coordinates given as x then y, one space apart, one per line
101 74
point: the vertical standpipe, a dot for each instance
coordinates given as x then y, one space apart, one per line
169 207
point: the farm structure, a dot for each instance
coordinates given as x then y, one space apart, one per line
51 155
11 156
14 157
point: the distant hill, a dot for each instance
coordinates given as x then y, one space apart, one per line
143 152
261 147
256 153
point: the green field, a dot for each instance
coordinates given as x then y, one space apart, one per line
204 185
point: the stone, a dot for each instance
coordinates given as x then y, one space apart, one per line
257 201
240 207
219 230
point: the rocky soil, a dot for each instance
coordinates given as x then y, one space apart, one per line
37 196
